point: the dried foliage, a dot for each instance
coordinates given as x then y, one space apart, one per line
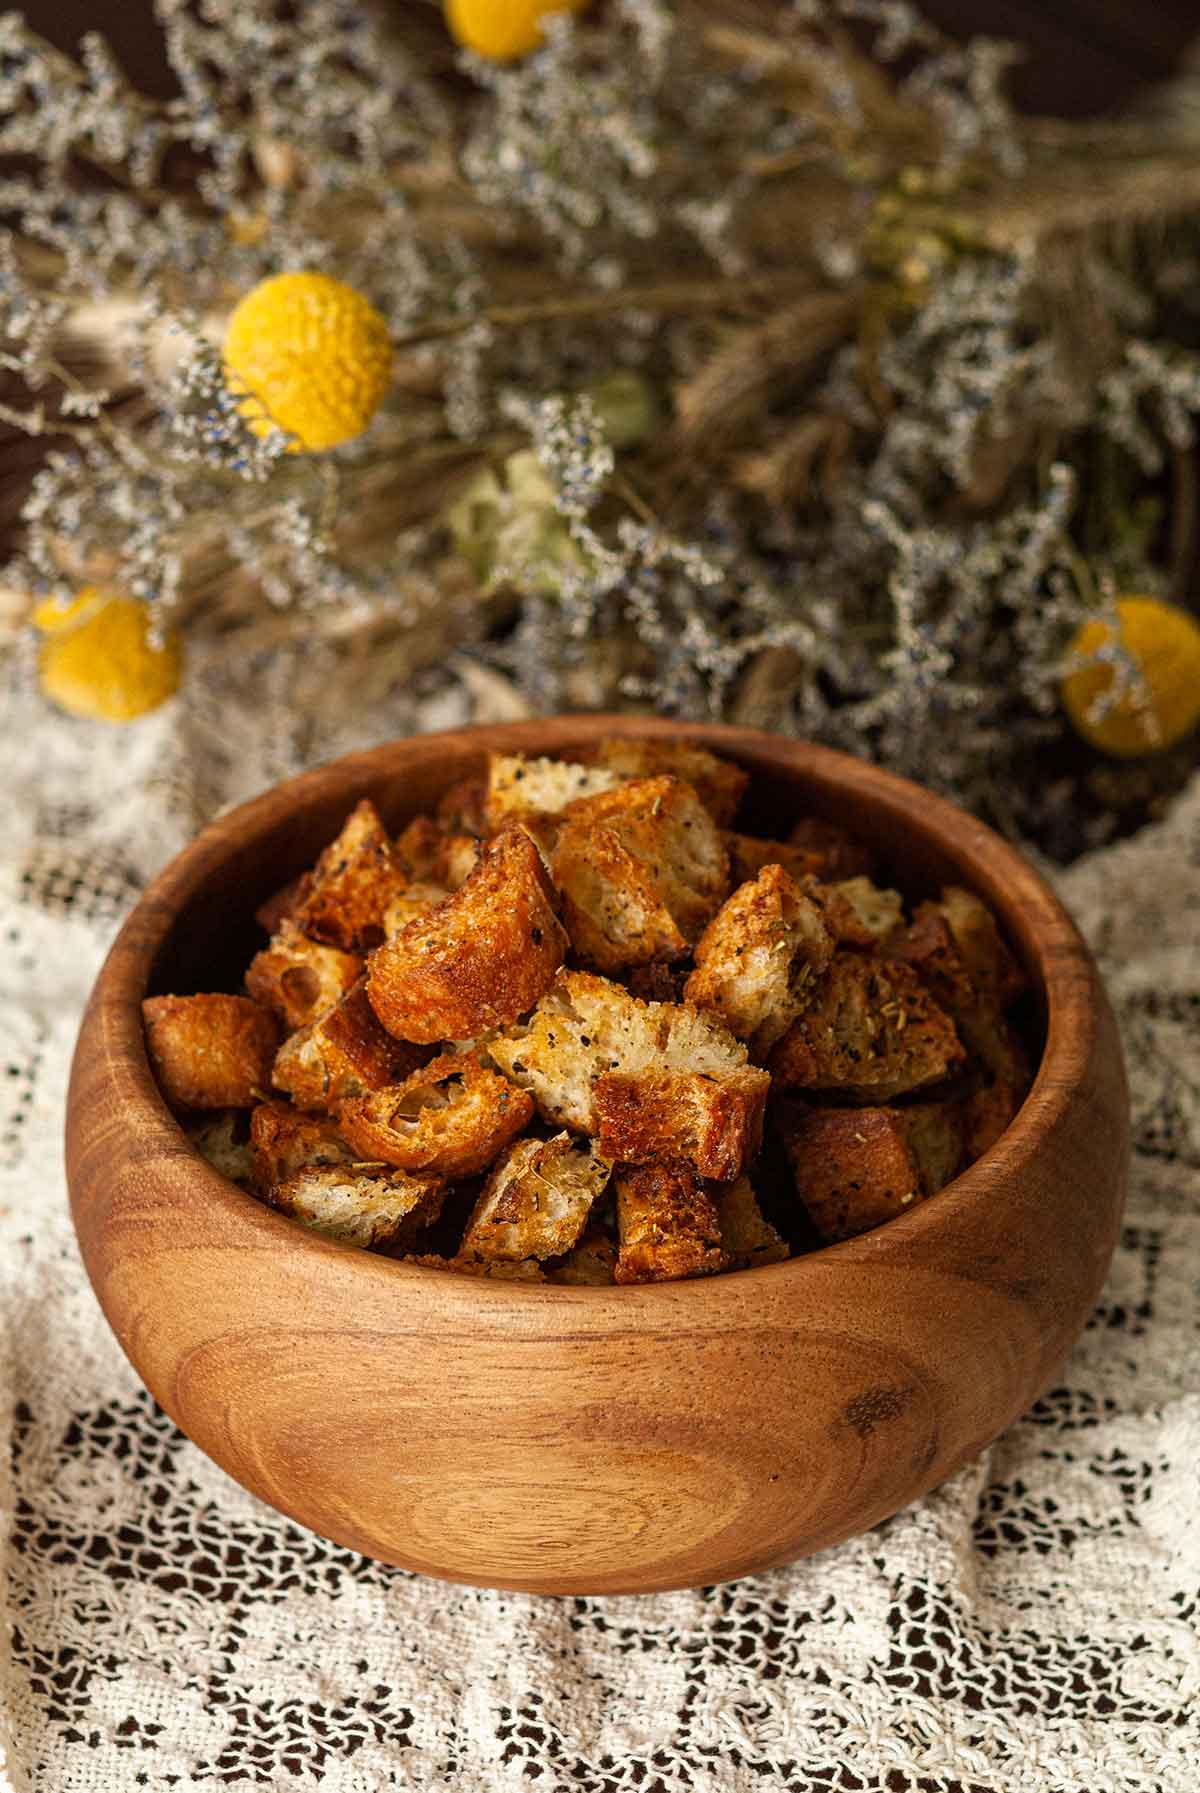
751 360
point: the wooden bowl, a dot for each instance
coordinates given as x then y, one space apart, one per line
592 1440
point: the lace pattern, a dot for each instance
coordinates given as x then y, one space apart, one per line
1030 1627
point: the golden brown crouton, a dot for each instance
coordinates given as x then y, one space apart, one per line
747 1237
657 981
450 1117
748 855
343 1203
281 905
667 1223
936 1136
284 1140
587 1026
871 1031
467 1264
641 869
929 946
713 1123
221 1140
351 885
993 969
300 979
210 1051
842 854
418 848
590 1265
407 904
853 1167
463 808
856 911
479 959
536 1202
987 1112
520 786
718 783
345 1053
758 958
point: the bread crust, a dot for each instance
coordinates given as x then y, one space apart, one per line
929 946
345 1053
871 1032
713 1124
478 960
351 884
210 1051
853 1168
667 1224
451 1118
300 979
285 1140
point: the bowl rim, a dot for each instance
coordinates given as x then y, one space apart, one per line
1049 941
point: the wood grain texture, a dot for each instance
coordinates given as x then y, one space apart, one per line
592 1440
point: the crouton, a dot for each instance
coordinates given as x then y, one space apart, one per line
853 1167
987 1112
936 1135
641 870
210 1051
748 855
537 1200
519 786
281 905
344 1053
842 855
284 1140
714 1124
587 1026
467 1264
658 981
993 969
479 959
718 783
463 808
929 946
221 1140
747 1237
450 1117
667 1223
418 848
856 911
299 978
351 885
871 1031
591 1264
758 958
343 1203
407 904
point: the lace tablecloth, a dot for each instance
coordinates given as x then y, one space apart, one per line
1032 1625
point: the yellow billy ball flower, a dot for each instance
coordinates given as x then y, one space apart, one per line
503 30
1165 642
97 660
309 354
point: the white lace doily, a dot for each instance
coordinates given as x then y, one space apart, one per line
1032 1626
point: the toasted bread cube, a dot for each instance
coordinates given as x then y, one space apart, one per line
479 959
418 849
718 783
936 1135
712 1123
280 906
657 982
987 1113
758 958
520 786
351 885
641 869
747 1237
667 1223
220 1139
459 857
929 946
537 1200
299 978
407 904
463 808
210 1051
466 1264
871 1031
344 1054
284 1140
857 912
591 1265
841 853
342 1203
587 1026
451 1117
853 1167
748 855
992 968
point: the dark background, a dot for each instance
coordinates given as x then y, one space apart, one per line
1081 56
